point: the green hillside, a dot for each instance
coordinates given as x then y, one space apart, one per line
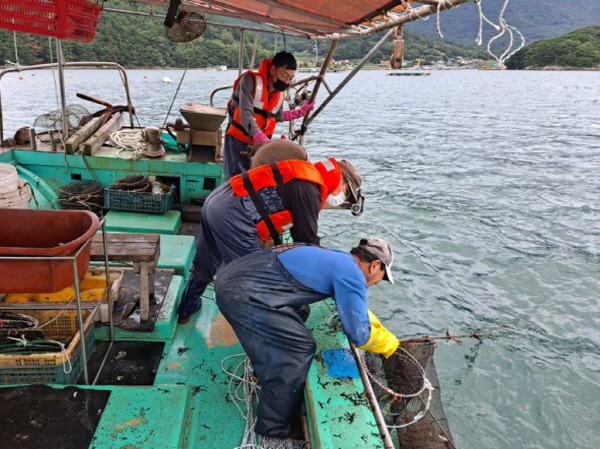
140 42
578 49
536 19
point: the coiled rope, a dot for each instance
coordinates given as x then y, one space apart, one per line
135 142
22 346
243 391
15 322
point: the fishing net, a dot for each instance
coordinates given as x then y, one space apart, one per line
76 115
82 195
133 183
416 414
187 27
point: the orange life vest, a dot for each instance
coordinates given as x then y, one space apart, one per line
265 107
264 176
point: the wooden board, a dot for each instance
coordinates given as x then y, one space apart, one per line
72 144
100 136
127 247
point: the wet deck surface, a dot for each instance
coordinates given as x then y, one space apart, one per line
128 363
37 416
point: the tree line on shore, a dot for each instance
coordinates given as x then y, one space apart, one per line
579 49
134 41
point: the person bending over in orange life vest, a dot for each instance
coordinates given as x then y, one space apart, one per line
255 108
253 208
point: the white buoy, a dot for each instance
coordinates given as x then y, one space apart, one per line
166 79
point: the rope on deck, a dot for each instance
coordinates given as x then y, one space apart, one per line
243 391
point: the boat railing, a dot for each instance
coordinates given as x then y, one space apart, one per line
71 65
214 92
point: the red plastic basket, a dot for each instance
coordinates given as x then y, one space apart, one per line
64 19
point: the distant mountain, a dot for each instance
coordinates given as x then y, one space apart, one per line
535 19
578 49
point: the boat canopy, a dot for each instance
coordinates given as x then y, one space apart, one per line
319 19
315 19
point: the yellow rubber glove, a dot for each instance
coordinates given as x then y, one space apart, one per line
381 340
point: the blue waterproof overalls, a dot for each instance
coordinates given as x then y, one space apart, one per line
261 299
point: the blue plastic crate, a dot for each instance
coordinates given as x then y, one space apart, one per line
157 203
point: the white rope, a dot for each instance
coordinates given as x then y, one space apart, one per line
65 354
483 18
21 340
522 41
503 27
53 75
243 391
134 141
16 64
510 42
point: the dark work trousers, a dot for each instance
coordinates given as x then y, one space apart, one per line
260 299
234 162
227 233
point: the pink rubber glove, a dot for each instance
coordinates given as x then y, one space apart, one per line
300 112
260 137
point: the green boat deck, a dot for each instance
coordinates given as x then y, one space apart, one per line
188 405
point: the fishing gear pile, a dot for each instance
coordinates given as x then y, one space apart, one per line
82 195
408 392
133 183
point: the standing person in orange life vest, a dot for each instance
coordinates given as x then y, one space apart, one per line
255 108
258 205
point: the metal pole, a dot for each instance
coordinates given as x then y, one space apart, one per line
349 77
81 325
241 54
379 419
254 51
109 300
318 83
61 82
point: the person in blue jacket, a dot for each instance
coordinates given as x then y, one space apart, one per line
261 295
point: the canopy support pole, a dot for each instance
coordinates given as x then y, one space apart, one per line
318 83
241 53
63 100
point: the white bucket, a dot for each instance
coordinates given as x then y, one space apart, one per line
8 178
16 199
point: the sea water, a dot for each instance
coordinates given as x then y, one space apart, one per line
487 185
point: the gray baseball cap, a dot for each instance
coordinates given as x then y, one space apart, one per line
352 178
381 250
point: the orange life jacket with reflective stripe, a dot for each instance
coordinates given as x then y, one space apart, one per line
263 177
265 107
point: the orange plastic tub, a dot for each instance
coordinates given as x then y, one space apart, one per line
43 233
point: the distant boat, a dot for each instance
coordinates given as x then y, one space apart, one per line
409 74
166 79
